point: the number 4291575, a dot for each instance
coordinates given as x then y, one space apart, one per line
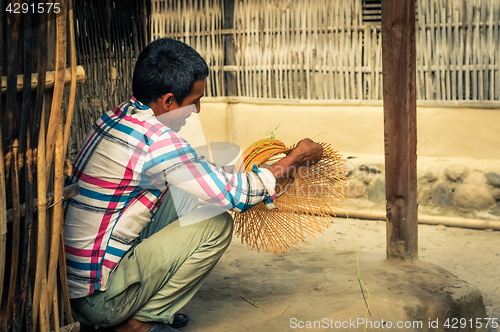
39 8
454 323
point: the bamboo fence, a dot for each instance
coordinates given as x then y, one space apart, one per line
110 35
40 57
198 24
331 50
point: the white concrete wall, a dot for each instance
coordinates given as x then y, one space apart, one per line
352 128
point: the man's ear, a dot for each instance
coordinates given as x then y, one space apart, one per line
167 101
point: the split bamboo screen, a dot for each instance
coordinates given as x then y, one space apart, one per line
332 50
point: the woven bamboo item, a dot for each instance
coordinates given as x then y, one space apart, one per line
303 210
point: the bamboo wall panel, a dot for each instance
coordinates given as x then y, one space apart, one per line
306 49
458 50
31 164
197 23
331 50
110 34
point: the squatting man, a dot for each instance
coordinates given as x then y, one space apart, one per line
131 264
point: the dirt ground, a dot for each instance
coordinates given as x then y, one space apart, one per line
282 286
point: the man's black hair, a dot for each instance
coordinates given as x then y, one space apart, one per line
167 66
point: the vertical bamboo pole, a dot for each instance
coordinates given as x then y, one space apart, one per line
13 21
419 43
308 40
67 128
476 12
57 212
263 51
3 215
398 37
248 51
449 71
63 275
56 108
344 82
454 62
40 295
13 299
72 90
359 49
332 51
257 55
229 46
496 54
378 68
481 48
468 16
38 138
55 307
429 81
490 93
25 155
301 13
460 31
3 198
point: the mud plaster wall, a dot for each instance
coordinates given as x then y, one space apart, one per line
354 129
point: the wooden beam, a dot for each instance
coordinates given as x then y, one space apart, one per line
229 48
400 132
49 79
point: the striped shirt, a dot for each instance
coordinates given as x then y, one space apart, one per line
124 168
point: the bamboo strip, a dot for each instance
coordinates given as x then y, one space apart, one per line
496 55
72 91
468 41
3 216
12 133
57 212
23 306
55 308
49 79
3 198
475 51
63 275
40 291
56 108
38 138
490 93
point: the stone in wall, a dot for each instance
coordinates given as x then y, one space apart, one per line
371 170
376 191
456 173
477 178
496 193
430 175
355 188
441 194
349 167
473 196
493 178
424 196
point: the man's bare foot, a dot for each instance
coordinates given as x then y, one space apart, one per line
133 325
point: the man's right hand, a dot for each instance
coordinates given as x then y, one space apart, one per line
305 154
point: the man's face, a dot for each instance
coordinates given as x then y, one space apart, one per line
177 114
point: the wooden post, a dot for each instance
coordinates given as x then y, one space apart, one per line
229 46
398 61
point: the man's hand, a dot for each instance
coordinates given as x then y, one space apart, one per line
305 154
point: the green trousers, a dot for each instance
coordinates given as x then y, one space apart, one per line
162 272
